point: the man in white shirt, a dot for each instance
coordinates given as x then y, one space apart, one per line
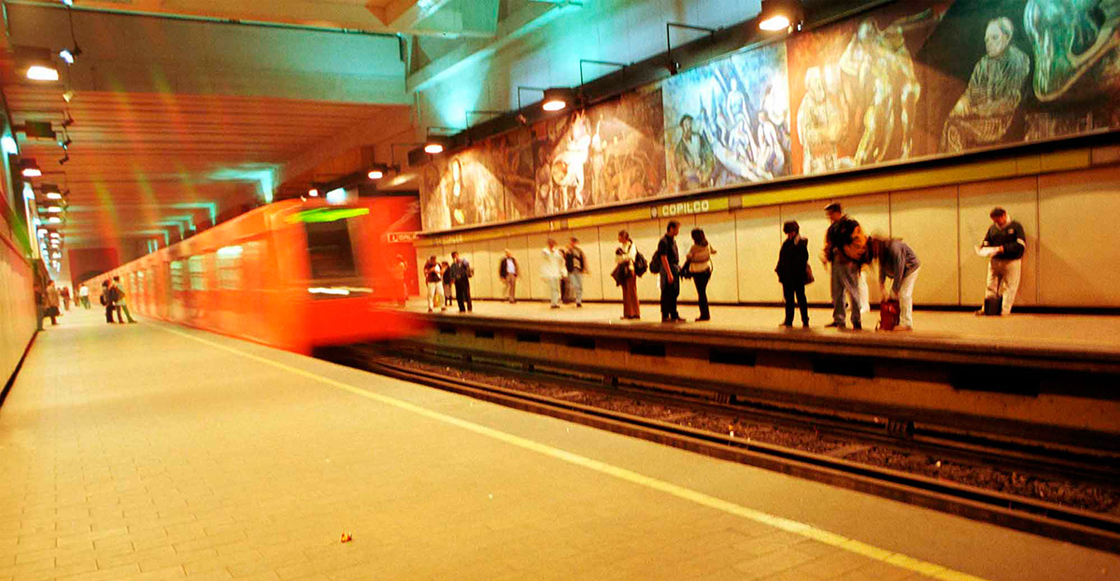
552 271
83 295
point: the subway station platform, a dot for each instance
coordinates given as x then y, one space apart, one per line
1096 336
152 451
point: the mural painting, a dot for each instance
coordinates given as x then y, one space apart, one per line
854 89
607 153
728 122
462 190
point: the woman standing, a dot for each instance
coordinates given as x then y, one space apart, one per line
624 256
433 277
699 260
51 303
793 272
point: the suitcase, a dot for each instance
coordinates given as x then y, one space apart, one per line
993 306
889 314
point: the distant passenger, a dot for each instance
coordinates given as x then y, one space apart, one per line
844 248
1007 241
83 295
552 271
107 299
625 256
64 293
794 272
699 261
576 263
40 305
508 273
448 295
51 302
898 262
400 289
433 277
121 301
669 258
460 274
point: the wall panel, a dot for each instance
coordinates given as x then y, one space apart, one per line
1078 260
927 221
757 241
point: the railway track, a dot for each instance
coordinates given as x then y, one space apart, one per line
1097 530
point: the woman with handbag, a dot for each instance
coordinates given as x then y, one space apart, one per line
698 266
794 272
625 256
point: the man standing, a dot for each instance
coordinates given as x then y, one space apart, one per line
83 294
669 257
844 247
460 273
121 301
108 298
576 263
552 271
1007 241
508 273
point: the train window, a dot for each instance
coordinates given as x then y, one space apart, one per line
331 250
229 267
198 273
178 282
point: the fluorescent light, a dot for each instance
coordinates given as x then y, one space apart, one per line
31 172
56 255
375 174
54 220
42 73
53 209
55 235
554 105
313 193
54 196
336 196
775 23
28 191
433 148
9 145
329 291
230 251
68 2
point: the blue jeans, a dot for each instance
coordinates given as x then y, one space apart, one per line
575 286
845 279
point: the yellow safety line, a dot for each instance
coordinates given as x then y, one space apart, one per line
808 531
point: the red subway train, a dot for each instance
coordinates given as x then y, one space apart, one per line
294 274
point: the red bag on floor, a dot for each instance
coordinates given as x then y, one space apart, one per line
889 313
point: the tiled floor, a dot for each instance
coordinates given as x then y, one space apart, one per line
155 452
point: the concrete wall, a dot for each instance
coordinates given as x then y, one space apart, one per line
17 306
1069 217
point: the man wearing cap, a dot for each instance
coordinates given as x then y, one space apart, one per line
845 247
1005 266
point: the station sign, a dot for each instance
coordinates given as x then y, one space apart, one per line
689 208
401 237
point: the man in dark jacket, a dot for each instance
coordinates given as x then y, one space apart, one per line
1008 241
508 273
845 247
669 257
460 273
793 272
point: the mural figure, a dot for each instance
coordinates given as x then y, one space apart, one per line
693 158
1070 38
880 84
822 121
568 167
988 106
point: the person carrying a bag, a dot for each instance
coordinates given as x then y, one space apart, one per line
625 256
794 272
698 265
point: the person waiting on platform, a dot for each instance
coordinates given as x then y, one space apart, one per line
448 295
121 301
552 271
400 288
108 298
508 273
1005 244
461 273
51 302
83 294
793 272
898 262
625 257
433 278
576 263
845 245
668 257
699 263
64 294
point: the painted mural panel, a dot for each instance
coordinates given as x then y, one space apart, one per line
462 190
608 153
728 122
855 89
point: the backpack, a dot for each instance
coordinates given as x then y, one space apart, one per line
655 262
640 264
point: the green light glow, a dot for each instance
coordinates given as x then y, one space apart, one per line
326 215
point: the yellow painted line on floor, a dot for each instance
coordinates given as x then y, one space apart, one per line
808 531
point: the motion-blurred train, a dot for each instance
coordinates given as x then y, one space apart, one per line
294 275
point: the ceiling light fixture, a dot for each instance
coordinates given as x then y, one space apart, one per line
557 99
54 220
9 145
375 174
778 15
314 193
67 56
53 209
68 95
29 169
42 73
54 195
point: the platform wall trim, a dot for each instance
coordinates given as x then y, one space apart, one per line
1067 216
926 568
